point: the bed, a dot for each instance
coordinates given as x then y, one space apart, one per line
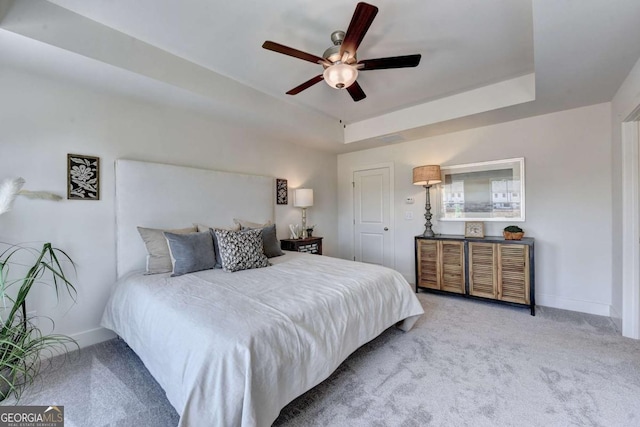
232 349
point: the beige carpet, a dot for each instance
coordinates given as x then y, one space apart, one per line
466 363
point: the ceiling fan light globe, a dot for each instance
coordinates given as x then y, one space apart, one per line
340 76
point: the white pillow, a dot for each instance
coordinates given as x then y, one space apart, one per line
248 224
204 227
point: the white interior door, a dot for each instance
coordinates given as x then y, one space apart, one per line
373 240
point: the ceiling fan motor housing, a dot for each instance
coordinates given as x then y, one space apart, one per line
332 54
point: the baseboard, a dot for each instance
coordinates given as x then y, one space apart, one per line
589 307
555 301
616 317
93 336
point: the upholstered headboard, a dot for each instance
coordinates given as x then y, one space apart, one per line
165 196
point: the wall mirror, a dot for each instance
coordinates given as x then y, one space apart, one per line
487 191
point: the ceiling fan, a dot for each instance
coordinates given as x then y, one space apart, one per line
340 63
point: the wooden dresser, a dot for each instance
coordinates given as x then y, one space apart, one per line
489 268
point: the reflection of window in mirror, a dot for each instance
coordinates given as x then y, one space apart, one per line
489 190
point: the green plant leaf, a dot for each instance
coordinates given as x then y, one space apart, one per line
22 344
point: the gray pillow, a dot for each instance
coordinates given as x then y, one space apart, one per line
191 252
241 250
270 243
202 227
158 257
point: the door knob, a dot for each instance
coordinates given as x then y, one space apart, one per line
386 229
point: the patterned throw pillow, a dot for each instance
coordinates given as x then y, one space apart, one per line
202 227
241 250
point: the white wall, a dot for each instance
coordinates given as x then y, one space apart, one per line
568 197
44 119
626 100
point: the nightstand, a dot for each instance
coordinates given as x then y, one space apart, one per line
310 245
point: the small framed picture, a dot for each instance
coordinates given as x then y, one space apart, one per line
282 192
83 177
474 229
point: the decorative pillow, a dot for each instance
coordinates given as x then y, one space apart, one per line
203 227
248 224
241 250
158 258
216 248
191 252
270 243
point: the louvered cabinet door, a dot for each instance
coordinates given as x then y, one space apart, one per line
452 261
428 265
513 273
483 275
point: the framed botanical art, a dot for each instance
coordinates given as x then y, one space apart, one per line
83 177
474 229
282 192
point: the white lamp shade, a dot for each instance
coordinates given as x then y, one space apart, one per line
303 197
340 76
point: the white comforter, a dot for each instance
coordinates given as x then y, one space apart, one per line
232 349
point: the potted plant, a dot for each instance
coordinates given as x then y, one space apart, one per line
513 232
22 343
310 230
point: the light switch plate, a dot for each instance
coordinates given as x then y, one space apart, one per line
408 215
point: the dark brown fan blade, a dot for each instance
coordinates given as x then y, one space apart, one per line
356 92
306 85
391 62
360 23
285 50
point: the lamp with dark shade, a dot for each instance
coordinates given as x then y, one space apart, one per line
303 198
427 176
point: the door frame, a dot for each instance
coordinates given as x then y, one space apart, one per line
392 220
631 226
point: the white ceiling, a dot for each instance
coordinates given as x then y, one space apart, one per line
464 44
580 50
